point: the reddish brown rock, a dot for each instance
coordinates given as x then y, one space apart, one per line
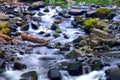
6 37
35 40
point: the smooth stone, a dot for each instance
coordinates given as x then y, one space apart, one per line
54 74
74 54
76 11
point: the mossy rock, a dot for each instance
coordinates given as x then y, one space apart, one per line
4 25
6 31
56 35
78 19
47 35
90 24
54 26
103 13
58 30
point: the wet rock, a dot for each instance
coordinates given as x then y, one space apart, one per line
31 75
47 35
47 58
64 15
66 36
10 10
2 64
76 12
19 66
54 74
78 20
25 27
32 39
77 40
40 14
38 19
46 9
96 65
90 13
6 37
54 26
41 32
35 26
66 47
38 4
75 69
58 20
83 43
18 19
74 54
99 32
113 74
3 16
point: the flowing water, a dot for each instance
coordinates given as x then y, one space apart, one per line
34 62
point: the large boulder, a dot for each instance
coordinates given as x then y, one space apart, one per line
54 74
75 68
113 74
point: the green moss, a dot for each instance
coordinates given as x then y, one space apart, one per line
4 25
56 35
78 19
90 24
58 30
6 31
103 13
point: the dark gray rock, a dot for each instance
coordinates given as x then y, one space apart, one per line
35 26
113 74
54 74
19 66
75 68
2 64
32 75
46 9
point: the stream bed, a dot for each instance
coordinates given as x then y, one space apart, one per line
53 62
